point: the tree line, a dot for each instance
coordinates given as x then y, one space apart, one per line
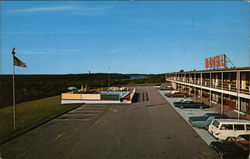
31 87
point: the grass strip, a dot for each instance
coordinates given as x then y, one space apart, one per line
29 114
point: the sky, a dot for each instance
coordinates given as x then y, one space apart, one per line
122 37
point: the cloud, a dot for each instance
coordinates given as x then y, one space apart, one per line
49 33
74 9
46 9
50 51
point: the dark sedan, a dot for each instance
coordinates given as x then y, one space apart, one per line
235 149
190 104
243 139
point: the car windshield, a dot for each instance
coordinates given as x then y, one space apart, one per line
174 92
239 138
216 123
242 138
206 115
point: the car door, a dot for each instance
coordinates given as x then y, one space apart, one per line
226 130
239 129
191 104
208 121
247 128
186 104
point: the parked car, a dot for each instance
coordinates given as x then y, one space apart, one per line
166 88
158 85
230 150
205 120
243 139
190 104
239 148
225 129
175 94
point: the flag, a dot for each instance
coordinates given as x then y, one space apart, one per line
18 62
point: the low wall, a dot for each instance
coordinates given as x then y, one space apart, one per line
91 96
72 96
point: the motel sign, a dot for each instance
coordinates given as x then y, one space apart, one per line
216 61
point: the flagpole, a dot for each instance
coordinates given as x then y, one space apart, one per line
14 100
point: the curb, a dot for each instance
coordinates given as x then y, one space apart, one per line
15 135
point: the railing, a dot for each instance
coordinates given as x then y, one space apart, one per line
229 86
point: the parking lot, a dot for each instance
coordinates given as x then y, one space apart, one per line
186 113
148 128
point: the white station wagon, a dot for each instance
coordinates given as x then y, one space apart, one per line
225 129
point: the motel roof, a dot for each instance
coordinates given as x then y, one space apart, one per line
232 69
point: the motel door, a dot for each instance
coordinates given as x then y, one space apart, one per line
243 105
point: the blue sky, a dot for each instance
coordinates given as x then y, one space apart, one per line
128 37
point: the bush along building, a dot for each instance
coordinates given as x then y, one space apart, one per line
227 88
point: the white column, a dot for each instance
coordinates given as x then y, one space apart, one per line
201 85
210 98
222 107
238 89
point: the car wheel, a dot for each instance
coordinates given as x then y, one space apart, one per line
230 139
181 107
206 127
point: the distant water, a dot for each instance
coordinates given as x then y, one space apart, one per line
137 77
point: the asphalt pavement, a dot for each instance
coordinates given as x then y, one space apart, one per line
147 129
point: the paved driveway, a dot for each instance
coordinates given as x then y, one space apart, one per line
149 128
186 113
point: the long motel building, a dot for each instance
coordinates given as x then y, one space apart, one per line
227 88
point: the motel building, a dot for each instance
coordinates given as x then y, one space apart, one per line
227 88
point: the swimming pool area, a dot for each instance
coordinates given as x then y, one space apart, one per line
121 94
103 97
